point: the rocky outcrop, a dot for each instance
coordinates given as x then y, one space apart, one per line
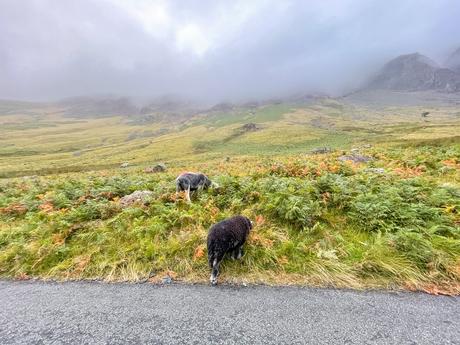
415 72
249 127
453 61
160 167
138 197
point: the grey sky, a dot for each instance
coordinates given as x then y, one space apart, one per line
211 50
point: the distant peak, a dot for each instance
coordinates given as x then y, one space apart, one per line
453 61
414 57
415 71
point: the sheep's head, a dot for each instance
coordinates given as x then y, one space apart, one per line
206 182
249 223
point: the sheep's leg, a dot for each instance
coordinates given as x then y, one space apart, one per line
215 269
187 194
177 190
237 253
240 252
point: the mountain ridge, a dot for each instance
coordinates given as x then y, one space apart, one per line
415 72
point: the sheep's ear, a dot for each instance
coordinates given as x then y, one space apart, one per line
250 223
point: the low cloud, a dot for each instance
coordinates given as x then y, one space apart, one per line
211 50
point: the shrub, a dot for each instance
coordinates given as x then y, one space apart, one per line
300 211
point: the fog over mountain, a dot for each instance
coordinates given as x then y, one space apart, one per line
453 61
211 50
414 72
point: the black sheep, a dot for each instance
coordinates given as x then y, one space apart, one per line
227 236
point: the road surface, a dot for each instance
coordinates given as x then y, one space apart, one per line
98 313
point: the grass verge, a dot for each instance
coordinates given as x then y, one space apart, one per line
319 221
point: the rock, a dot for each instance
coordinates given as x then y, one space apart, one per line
166 280
376 170
321 150
249 127
160 167
31 177
139 196
124 165
356 158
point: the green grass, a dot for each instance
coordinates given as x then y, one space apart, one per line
319 221
242 115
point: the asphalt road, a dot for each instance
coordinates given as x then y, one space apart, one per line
98 313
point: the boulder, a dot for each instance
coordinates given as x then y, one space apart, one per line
321 150
249 127
160 167
376 170
166 280
139 196
356 158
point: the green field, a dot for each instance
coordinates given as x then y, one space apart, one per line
392 222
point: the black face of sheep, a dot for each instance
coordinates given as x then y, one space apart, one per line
190 182
227 236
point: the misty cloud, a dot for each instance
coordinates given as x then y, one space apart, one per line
211 50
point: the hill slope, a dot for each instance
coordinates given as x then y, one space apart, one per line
453 61
342 194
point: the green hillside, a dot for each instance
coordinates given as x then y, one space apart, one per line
321 218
